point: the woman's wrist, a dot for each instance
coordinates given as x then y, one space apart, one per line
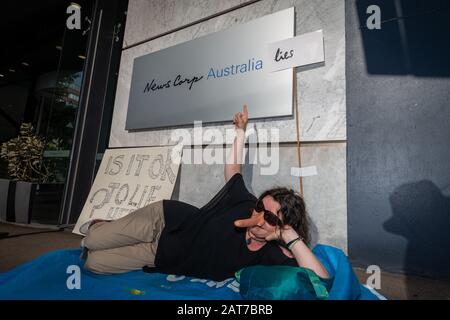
288 235
240 131
293 242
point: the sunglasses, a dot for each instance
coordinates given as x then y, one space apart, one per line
270 217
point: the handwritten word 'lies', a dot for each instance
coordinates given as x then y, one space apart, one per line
280 55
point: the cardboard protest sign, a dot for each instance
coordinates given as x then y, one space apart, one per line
129 179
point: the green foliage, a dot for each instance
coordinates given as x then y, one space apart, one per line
57 166
24 155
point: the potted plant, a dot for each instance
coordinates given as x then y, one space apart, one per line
26 168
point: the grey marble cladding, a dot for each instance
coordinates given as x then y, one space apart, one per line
320 97
320 91
150 18
324 193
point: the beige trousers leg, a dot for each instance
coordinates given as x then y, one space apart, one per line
126 244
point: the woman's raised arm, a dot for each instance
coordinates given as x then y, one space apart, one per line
235 158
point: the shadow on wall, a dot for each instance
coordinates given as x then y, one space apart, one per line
413 39
313 233
421 214
176 187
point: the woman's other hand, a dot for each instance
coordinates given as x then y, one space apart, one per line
284 234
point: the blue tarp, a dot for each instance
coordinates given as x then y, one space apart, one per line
48 277
345 285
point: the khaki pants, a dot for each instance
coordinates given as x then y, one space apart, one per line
126 244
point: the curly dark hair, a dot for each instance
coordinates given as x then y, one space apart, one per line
293 210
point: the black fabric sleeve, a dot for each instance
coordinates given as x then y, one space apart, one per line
232 193
177 214
275 256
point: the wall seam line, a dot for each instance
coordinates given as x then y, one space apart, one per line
242 5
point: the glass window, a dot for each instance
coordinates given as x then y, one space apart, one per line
41 73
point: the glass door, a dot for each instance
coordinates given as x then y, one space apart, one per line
41 75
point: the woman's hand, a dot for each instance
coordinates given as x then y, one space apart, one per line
285 234
240 119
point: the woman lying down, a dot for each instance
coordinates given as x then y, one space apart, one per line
234 230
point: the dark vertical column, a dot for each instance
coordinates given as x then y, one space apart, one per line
98 88
11 202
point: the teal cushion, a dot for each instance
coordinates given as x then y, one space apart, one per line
282 283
